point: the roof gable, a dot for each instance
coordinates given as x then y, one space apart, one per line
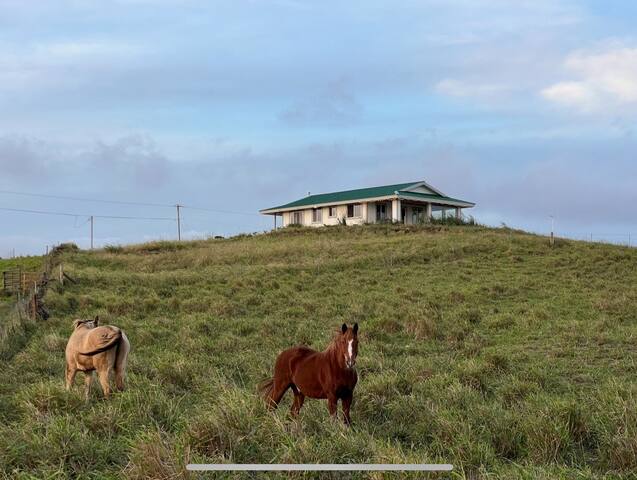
419 189
423 187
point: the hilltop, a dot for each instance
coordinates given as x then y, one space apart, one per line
485 348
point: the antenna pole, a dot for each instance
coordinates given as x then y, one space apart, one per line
178 222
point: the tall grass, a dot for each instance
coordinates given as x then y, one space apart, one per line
480 347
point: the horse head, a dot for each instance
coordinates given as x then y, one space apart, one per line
347 345
88 323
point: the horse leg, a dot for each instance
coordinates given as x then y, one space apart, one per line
70 376
332 405
347 403
88 379
299 398
104 375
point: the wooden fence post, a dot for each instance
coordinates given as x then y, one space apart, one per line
34 306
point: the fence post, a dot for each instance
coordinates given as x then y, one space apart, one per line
34 308
61 277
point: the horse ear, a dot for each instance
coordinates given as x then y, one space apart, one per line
355 328
77 323
97 320
344 328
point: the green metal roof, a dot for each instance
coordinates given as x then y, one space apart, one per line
358 194
345 196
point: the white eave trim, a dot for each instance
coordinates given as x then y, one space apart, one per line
455 203
328 204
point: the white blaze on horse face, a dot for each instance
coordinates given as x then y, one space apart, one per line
349 360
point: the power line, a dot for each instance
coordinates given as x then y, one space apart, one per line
121 202
78 199
67 214
229 212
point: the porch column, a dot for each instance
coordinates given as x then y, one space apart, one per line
395 210
428 212
458 213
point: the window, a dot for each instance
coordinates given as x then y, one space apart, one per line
317 215
381 212
354 210
332 212
297 218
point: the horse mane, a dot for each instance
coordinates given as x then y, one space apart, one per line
334 341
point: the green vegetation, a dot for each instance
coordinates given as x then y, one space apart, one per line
26 263
480 347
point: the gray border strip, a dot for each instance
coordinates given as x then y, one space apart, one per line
318 467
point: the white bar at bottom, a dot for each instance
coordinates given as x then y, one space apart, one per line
319 467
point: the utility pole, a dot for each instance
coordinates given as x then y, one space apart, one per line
178 222
552 230
91 232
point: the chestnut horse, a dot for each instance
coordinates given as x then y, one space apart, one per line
329 374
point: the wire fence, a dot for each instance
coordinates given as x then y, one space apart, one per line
625 239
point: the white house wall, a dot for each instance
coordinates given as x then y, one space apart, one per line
368 213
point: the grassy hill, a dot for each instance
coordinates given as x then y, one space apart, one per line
480 347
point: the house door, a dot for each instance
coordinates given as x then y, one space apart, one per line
403 215
381 212
417 216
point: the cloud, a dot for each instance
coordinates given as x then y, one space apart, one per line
607 80
134 156
575 94
334 106
129 161
22 157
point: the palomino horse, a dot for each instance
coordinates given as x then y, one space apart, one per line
329 374
91 348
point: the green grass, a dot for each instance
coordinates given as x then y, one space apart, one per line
480 347
33 263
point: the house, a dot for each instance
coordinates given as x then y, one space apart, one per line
411 203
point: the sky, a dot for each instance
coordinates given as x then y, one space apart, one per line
527 108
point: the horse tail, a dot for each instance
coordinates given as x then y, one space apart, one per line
121 356
265 388
113 342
